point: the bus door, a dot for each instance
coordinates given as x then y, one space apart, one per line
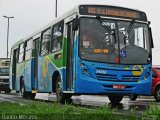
70 61
14 64
35 60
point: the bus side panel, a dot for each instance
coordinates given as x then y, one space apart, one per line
19 74
27 76
34 78
47 65
40 74
45 71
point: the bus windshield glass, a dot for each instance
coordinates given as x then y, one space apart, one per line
114 41
4 71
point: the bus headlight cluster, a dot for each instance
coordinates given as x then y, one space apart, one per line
85 71
82 65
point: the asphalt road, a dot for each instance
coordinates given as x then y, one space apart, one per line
89 100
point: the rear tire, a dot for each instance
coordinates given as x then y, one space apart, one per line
133 97
115 99
32 96
61 97
157 94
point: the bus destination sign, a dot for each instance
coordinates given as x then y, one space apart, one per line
112 11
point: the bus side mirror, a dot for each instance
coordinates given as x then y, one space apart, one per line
151 38
75 24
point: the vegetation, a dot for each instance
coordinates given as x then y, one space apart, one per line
43 110
152 112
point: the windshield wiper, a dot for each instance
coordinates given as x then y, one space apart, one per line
100 20
128 32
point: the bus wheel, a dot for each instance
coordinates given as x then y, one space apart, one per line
157 94
115 99
32 96
23 92
61 97
133 97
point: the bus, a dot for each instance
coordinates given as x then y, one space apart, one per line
92 49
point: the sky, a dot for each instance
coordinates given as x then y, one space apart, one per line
31 15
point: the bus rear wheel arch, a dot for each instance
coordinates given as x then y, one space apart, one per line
23 91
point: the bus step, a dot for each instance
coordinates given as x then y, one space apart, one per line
34 91
68 91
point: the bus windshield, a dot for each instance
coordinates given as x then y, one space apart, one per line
4 71
114 41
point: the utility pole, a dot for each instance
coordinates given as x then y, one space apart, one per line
56 9
7 31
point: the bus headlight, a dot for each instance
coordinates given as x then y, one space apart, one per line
85 71
82 65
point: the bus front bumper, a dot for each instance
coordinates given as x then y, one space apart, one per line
88 85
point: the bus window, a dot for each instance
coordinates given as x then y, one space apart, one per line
28 50
56 43
46 38
21 52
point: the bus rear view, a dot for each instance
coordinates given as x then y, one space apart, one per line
114 52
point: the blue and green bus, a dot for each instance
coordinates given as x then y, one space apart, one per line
92 49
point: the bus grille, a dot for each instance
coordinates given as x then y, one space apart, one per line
115 78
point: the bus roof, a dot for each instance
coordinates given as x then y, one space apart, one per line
76 10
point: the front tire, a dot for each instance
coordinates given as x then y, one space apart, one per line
115 99
133 97
157 94
61 97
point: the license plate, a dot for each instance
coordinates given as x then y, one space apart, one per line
118 87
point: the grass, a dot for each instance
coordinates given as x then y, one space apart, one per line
152 112
43 110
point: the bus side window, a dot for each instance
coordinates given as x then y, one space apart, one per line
56 43
28 50
45 44
21 53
